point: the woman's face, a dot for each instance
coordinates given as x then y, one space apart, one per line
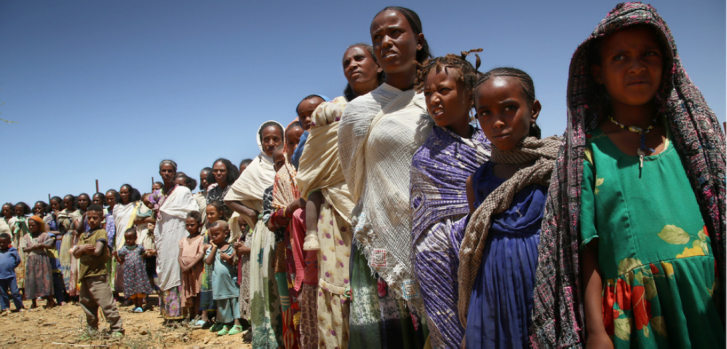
167 172
219 171
271 139
98 199
125 194
83 202
38 209
68 203
8 211
111 199
55 205
33 226
19 210
361 70
395 44
203 179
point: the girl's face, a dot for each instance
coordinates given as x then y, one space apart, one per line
19 210
219 171
167 172
503 112
395 44
130 238
33 226
203 179
179 181
83 202
55 205
192 226
631 66
271 139
68 203
8 211
38 209
98 199
242 168
448 102
292 138
361 70
111 199
213 214
156 186
125 194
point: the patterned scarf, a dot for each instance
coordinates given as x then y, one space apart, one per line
285 189
543 152
558 315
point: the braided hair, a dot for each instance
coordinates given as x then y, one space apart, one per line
466 73
526 82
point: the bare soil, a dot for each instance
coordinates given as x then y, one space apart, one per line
64 326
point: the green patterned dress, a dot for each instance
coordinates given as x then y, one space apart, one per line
653 250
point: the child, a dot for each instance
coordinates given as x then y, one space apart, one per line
191 252
70 239
439 172
206 298
136 282
144 222
95 292
242 250
19 226
9 260
498 253
38 271
224 280
646 155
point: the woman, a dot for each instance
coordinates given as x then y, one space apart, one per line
124 213
393 116
65 220
246 198
175 204
224 174
320 179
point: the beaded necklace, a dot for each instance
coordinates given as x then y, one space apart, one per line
642 150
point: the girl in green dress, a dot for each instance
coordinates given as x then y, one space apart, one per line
650 218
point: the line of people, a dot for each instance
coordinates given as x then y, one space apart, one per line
385 218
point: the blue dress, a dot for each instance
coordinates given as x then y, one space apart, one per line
502 297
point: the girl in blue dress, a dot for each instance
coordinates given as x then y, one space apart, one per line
499 252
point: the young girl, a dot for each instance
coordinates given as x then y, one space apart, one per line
206 299
144 223
498 253
242 249
19 226
136 282
52 227
439 171
224 278
641 181
191 252
38 271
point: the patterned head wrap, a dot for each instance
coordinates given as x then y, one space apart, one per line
558 315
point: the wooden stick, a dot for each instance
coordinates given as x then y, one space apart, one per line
97 185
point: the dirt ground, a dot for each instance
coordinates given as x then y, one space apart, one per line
62 327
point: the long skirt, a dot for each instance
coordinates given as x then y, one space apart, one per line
378 319
244 280
267 327
69 269
20 269
38 276
288 306
170 304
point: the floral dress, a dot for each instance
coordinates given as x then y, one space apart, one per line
653 250
38 271
135 279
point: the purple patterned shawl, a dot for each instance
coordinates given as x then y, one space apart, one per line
558 315
439 172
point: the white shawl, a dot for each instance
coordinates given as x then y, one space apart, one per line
169 230
122 221
377 138
258 176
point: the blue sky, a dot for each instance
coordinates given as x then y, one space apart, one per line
107 89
